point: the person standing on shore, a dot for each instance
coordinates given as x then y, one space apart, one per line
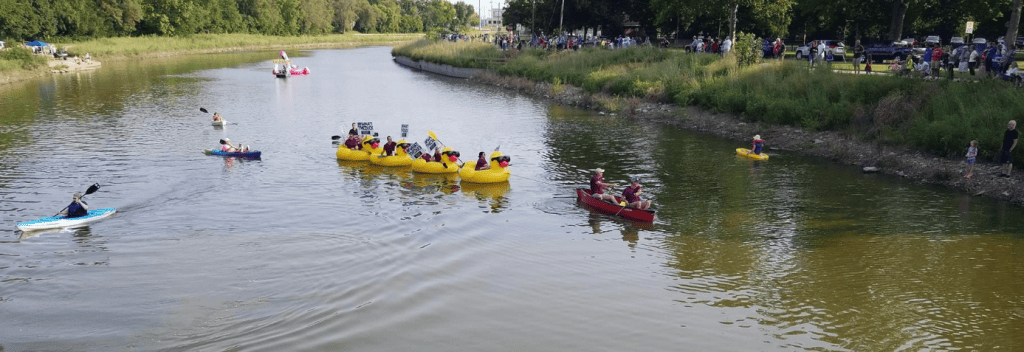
972 154
858 54
1009 142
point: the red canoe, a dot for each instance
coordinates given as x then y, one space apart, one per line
583 196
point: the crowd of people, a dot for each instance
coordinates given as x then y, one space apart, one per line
713 45
990 61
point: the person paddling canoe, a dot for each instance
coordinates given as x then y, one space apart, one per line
598 186
77 208
632 195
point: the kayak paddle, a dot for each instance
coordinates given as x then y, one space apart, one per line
92 189
203 110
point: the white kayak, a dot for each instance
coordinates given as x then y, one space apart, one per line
54 222
221 123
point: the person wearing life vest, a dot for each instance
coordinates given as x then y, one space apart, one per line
758 144
77 208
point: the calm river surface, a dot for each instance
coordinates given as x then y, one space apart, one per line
298 251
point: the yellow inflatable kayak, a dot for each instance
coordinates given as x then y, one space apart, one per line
497 173
447 165
344 153
399 159
746 152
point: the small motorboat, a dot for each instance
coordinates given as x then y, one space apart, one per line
282 68
248 155
61 221
295 71
584 196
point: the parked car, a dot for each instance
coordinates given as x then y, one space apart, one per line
979 44
895 51
837 48
932 40
956 41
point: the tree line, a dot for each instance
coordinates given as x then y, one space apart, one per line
874 20
41 19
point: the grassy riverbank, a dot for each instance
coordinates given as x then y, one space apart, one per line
117 47
938 117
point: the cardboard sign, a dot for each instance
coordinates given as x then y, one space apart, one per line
430 143
415 151
365 128
405 130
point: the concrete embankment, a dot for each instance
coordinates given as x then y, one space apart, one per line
440 69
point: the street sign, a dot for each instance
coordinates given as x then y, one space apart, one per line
970 27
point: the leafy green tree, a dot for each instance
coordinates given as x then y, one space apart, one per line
368 17
346 13
121 17
318 16
224 17
437 14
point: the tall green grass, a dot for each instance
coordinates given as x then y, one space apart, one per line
460 54
153 44
20 58
939 117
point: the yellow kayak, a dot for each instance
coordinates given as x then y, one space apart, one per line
746 152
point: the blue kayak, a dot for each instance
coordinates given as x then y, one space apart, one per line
250 155
54 222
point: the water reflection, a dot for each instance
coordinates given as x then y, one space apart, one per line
493 194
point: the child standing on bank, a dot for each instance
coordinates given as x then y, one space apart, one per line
972 154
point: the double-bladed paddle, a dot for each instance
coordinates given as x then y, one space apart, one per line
92 189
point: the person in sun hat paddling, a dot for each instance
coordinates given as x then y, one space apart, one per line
598 186
77 208
632 195
758 144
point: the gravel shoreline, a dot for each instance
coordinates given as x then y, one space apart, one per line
838 147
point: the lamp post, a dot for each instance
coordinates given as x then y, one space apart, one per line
533 20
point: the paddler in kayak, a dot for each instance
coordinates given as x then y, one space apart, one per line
217 117
482 163
354 142
77 208
389 147
598 186
225 146
632 195
758 144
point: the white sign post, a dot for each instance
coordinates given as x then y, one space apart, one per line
430 143
415 151
365 128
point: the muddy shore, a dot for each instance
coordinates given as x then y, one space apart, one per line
838 147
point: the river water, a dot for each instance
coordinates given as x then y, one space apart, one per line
298 251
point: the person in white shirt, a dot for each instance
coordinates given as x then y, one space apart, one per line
726 45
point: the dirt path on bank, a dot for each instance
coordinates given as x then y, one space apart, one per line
835 146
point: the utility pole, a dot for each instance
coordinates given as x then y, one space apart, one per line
479 14
560 17
533 21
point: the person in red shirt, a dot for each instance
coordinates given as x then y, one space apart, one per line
936 57
598 186
389 147
481 163
632 195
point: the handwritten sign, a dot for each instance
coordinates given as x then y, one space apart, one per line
430 143
415 151
365 128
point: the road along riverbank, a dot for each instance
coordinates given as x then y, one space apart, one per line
872 156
